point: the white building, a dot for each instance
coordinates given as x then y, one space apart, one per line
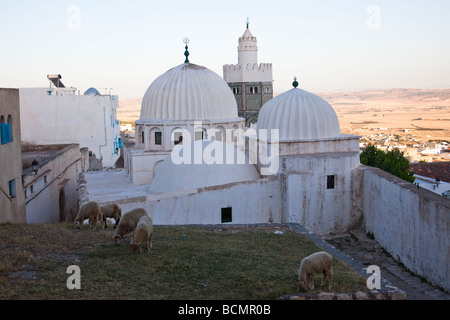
193 163
296 167
51 185
58 115
187 103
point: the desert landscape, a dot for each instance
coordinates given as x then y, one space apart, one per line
415 120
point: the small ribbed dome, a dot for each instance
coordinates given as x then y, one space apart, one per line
299 115
92 92
220 164
189 92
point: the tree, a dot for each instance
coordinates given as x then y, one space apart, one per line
392 161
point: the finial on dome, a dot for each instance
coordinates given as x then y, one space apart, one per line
295 83
186 53
248 22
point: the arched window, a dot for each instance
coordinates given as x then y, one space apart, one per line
177 136
220 133
256 90
201 134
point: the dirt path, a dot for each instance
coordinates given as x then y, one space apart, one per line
357 245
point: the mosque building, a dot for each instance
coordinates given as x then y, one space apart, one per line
195 162
187 103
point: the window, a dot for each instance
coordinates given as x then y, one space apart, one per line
330 182
10 128
177 136
227 215
158 138
45 179
201 135
5 130
142 137
12 188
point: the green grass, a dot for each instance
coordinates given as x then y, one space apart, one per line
240 263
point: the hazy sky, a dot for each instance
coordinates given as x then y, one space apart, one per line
125 45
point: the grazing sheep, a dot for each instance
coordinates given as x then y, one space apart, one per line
128 223
90 210
144 233
111 211
319 262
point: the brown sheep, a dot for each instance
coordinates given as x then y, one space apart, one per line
144 233
128 223
111 211
90 210
319 262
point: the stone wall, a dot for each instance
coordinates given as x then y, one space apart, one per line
411 224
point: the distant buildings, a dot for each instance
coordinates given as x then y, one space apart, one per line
58 115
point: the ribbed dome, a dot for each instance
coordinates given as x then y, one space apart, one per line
219 165
298 115
189 92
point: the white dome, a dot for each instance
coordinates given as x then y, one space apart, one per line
92 92
189 92
219 165
299 115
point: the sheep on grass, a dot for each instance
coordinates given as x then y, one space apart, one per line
111 211
128 223
319 262
90 210
143 234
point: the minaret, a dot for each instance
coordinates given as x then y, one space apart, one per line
248 48
252 84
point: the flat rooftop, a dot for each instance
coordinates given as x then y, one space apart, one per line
113 186
42 153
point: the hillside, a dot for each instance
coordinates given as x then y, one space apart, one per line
425 113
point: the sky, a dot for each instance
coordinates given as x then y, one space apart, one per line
123 46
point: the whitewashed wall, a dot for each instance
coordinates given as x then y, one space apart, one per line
60 172
412 225
62 119
310 203
251 202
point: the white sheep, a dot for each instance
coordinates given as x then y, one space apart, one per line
128 223
90 210
111 211
319 262
143 233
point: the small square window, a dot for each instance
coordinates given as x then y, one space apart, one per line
227 215
330 182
